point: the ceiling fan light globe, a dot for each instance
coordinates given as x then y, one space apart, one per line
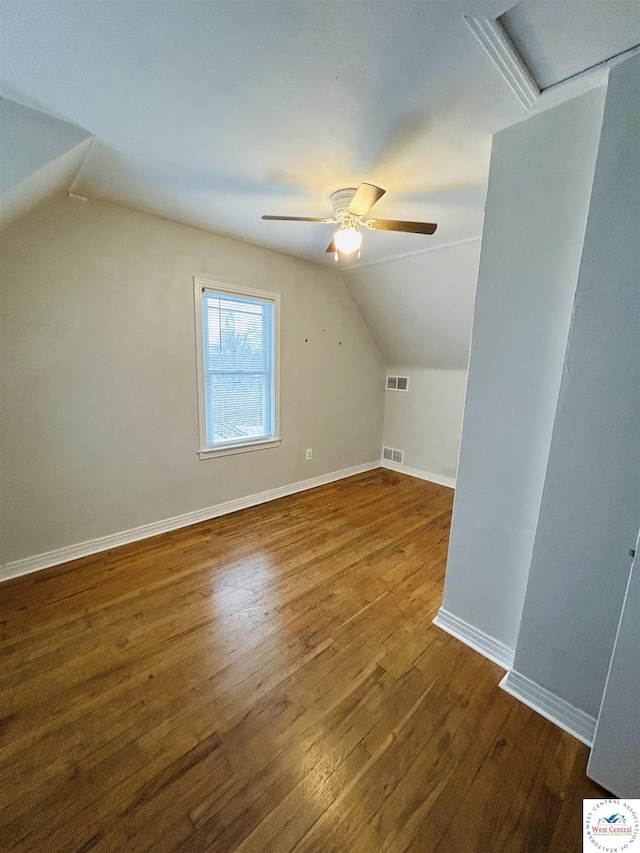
348 240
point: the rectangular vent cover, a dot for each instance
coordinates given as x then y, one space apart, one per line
397 383
391 455
387 453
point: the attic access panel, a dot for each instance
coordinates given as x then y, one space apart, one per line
560 39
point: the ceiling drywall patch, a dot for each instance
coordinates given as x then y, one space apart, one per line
498 46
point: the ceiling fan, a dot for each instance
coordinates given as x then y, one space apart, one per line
350 206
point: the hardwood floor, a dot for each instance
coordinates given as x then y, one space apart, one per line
271 681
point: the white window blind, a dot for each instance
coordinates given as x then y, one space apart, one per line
238 368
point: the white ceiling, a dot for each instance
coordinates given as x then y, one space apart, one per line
212 113
560 39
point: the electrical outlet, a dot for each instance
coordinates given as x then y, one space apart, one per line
308 454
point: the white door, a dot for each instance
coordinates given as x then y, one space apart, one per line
615 757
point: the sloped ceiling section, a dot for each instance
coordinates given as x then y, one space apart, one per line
560 39
41 156
420 308
213 113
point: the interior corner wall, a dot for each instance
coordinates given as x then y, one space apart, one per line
425 421
539 188
419 308
99 416
615 758
32 140
590 510
41 157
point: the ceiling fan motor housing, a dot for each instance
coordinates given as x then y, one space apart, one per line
350 206
340 200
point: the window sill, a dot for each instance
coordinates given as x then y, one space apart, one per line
229 449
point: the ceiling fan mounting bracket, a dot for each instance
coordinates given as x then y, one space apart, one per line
340 201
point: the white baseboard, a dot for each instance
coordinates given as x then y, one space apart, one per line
550 706
94 546
478 640
440 479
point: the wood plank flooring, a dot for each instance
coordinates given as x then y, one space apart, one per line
271 681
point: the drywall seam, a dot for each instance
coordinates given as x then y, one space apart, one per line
357 266
42 186
551 707
81 167
28 565
476 639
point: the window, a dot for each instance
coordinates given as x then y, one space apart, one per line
237 343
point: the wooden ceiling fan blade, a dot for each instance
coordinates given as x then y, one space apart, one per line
298 218
364 199
401 225
331 247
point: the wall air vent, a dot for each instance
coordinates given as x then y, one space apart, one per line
397 383
391 455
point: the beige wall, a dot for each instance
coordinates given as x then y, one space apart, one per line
426 421
99 427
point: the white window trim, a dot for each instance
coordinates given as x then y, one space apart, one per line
242 445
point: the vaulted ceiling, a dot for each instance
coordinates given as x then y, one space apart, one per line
213 112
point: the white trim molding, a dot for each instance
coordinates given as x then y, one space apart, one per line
95 546
440 479
230 450
550 706
476 639
511 66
